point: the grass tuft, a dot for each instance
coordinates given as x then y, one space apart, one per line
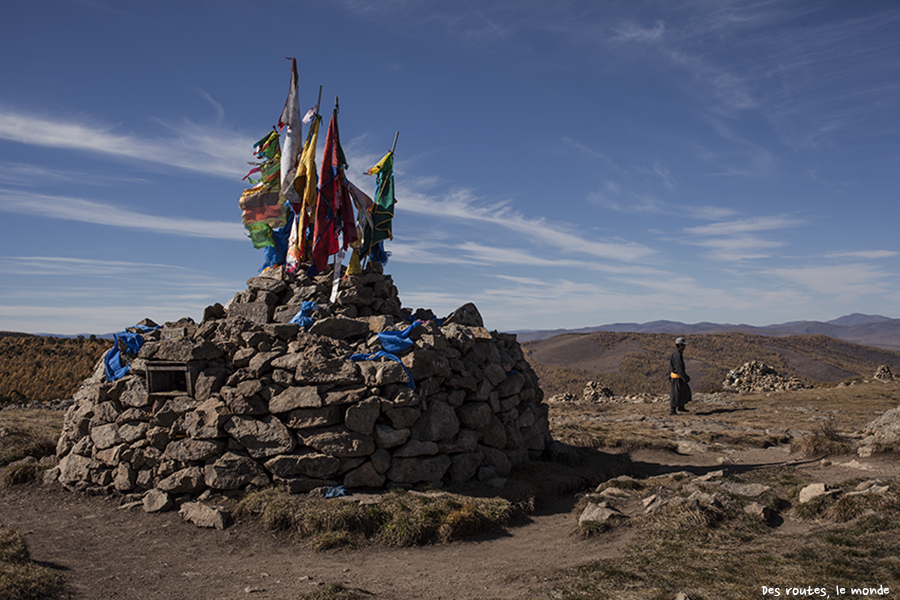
827 440
23 474
399 519
335 591
20 578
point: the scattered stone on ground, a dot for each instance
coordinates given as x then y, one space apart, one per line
715 494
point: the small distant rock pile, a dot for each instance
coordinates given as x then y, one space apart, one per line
593 391
884 373
246 398
596 392
756 376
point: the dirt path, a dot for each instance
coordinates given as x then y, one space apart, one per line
105 552
109 553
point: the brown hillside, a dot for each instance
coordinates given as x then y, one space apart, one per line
45 368
632 363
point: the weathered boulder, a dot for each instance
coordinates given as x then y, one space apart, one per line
310 464
415 470
262 437
232 471
599 512
206 516
157 501
185 481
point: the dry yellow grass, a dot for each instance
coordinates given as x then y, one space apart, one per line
28 432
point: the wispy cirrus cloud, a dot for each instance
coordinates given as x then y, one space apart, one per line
744 226
864 254
31 175
462 205
185 145
846 282
99 213
740 239
632 32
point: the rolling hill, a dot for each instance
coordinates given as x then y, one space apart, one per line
867 330
43 368
632 363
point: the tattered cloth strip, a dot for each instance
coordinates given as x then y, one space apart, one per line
290 151
336 276
353 267
260 204
261 234
306 185
388 355
263 203
380 228
276 254
364 205
334 209
293 258
112 362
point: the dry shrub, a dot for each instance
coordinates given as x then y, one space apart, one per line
17 445
276 509
21 579
827 440
399 519
23 473
12 547
847 508
335 591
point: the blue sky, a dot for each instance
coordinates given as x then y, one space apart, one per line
559 164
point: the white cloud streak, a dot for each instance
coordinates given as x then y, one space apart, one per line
212 151
98 213
745 226
463 206
845 282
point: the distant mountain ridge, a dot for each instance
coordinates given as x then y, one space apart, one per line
868 330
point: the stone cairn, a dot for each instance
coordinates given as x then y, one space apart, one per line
756 376
884 373
247 398
594 391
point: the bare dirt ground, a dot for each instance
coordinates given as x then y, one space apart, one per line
106 552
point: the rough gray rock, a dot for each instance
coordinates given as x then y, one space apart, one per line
599 512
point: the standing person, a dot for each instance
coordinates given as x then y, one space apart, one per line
680 391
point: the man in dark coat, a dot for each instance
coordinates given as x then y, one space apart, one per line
680 391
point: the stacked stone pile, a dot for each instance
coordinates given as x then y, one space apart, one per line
884 373
756 376
595 391
247 398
